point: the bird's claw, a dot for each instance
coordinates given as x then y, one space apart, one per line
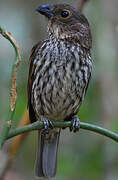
47 124
75 124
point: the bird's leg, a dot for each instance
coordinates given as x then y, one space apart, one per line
75 124
47 124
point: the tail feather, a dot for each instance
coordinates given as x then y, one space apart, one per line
38 167
46 164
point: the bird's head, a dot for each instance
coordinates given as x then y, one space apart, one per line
66 22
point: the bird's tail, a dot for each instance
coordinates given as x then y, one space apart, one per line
46 163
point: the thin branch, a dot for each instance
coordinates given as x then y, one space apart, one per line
18 140
13 92
80 4
39 125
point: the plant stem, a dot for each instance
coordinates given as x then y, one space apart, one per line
13 92
39 125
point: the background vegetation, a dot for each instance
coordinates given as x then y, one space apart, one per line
82 156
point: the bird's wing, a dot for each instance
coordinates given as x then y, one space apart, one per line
30 80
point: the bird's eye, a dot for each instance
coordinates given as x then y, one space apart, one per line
65 14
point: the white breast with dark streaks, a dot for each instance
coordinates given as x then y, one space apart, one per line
61 82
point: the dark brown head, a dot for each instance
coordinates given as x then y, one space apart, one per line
66 22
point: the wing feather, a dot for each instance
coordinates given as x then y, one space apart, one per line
34 52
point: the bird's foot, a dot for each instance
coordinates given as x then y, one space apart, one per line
47 124
75 124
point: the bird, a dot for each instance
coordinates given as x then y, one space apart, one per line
59 74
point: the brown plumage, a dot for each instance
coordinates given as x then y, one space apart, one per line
59 74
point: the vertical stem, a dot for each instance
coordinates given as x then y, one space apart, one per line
13 92
80 4
6 129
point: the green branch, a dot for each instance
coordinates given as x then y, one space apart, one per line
39 125
13 92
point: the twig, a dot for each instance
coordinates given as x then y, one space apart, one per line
15 146
81 4
13 92
18 140
39 125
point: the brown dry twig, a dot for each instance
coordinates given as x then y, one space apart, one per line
13 92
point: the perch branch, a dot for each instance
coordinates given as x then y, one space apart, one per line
39 125
13 91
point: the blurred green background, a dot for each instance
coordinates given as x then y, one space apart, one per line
84 155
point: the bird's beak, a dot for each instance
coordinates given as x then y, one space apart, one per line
45 10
